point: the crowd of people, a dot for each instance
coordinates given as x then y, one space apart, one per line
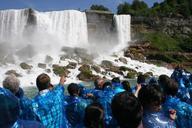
163 102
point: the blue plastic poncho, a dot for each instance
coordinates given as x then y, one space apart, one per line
26 106
118 87
9 109
184 111
48 106
75 109
157 120
105 100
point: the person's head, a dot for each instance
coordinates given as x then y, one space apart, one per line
126 85
73 89
9 108
11 83
116 80
99 83
127 110
141 79
152 81
171 88
43 82
107 84
163 80
94 116
151 97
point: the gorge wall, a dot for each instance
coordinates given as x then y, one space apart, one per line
176 26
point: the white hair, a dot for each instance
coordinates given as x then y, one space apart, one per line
11 83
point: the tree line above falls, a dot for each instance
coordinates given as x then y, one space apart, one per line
168 8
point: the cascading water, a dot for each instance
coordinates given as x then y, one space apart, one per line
123 23
49 31
44 32
68 27
33 35
12 24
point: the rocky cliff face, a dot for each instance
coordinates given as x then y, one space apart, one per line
172 26
101 26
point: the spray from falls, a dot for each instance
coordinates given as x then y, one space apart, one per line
30 36
27 32
44 32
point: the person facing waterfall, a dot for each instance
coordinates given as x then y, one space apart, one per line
12 83
10 109
48 104
76 105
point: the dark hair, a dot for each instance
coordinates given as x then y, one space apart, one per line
126 85
107 84
94 116
153 80
150 95
43 81
127 110
73 89
98 84
141 79
171 88
115 80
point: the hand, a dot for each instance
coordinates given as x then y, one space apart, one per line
138 87
62 80
172 114
89 95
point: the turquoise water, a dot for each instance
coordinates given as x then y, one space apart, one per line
32 91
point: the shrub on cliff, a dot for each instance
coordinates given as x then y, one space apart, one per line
186 45
162 41
99 7
137 8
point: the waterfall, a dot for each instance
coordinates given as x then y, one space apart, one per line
12 24
68 27
36 32
123 24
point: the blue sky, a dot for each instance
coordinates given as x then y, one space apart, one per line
45 5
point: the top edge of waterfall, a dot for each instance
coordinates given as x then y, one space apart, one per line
13 9
87 11
40 11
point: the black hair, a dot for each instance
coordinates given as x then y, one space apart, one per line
73 89
115 80
150 95
99 83
126 85
163 81
107 84
94 116
43 81
171 88
127 110
141 79
153 80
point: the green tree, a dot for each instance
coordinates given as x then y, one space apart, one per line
138 5
136 8
99 7
156 4
124 8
